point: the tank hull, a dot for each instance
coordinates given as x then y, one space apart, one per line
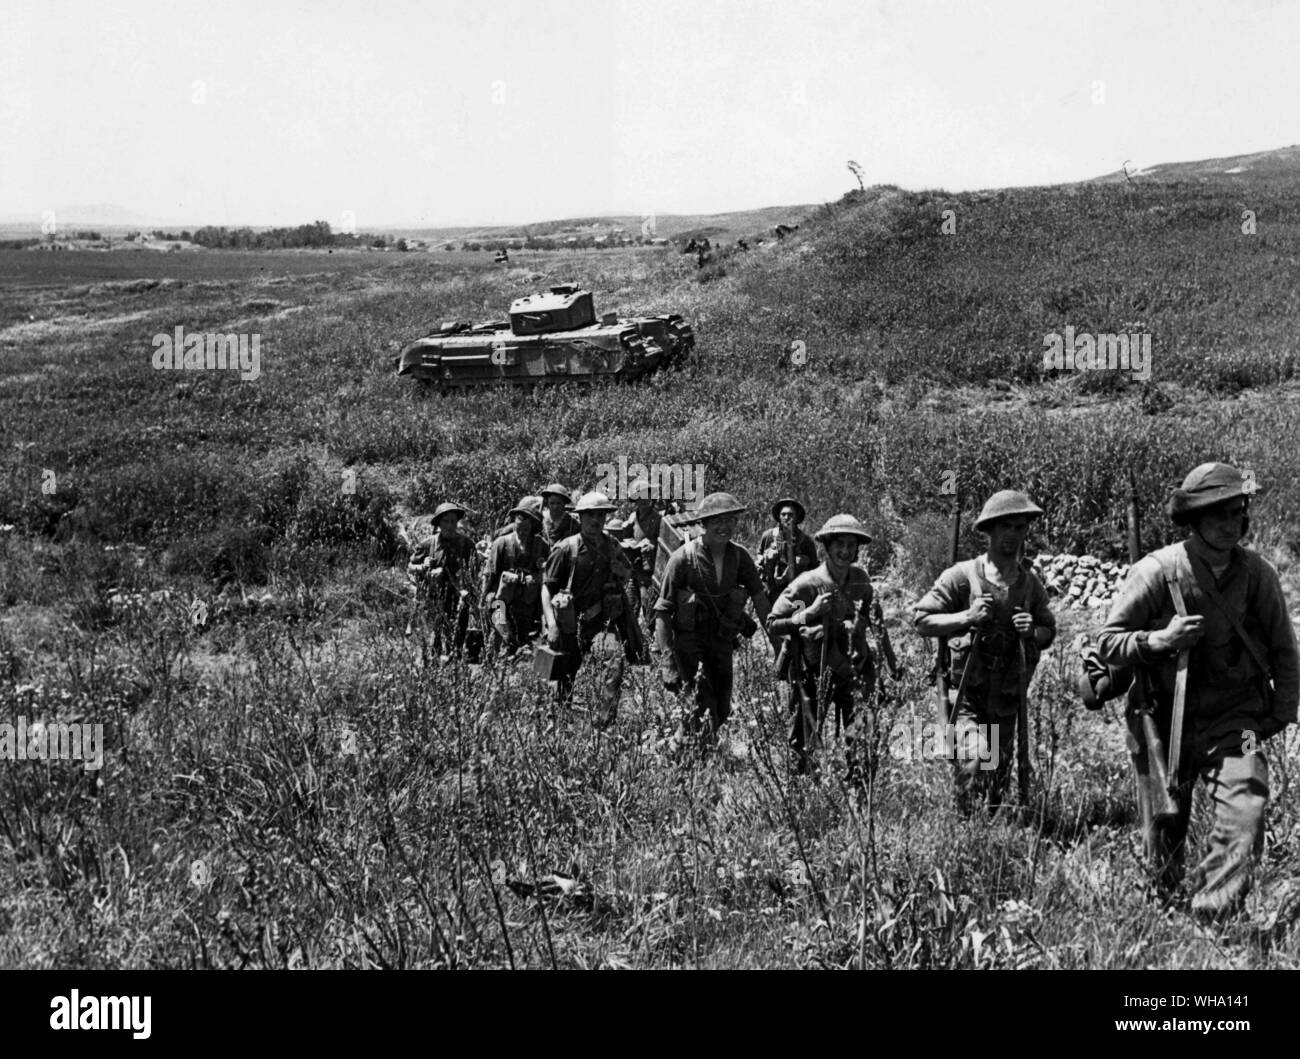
494 355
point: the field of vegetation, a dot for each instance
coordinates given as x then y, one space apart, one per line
211 569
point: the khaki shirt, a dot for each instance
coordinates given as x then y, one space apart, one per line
849 613
509 553
996 654
594 569
717 606
775 569
1225 691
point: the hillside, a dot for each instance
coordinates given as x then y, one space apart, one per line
210 569
1278 168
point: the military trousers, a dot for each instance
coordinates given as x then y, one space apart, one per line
841 701
706 672
1237 784
984 747
515 626
592 638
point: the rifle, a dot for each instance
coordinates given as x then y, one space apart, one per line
807 708
1139 696
1022 726
790 571
883 644
942 709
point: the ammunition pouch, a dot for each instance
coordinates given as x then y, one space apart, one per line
531 589
508 587
565 615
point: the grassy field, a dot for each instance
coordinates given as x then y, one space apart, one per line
209 567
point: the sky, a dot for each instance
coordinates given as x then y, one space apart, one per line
388 112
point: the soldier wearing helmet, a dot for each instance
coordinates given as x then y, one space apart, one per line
512 578
785 551
700 615
557 523
825 612
1241 680
440 568
583 594
987 607
640 536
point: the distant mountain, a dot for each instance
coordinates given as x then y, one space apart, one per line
1280 166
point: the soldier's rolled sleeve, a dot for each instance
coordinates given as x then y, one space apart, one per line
556 575
1133 615
1042 613
946 597
747 575
1281 651
787 604
674 579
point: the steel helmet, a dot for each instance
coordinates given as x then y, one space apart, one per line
447 508
713 506
530 506
556 489
842 526
1207 486
594 502
1007 504
800 512
639 490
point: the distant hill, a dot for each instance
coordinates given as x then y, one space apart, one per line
727 227
1278 167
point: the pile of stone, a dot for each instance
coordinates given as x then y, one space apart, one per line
1083 582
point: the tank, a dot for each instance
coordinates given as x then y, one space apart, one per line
550 337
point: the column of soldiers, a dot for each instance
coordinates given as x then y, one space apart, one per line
1199 637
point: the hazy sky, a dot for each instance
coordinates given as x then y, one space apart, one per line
284 111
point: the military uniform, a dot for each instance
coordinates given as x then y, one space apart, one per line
774 563
640 534
556 530
594 576
986 672
441 592
512 581
848 658
707 615
774 559
1233 703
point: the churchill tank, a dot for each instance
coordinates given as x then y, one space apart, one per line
549 337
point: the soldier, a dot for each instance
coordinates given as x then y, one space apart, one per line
512 578
1240 681
640 534
530 502
700 615
440 569
834 597
987 606
785 551
583 595
557 523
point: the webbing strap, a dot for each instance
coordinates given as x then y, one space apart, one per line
1180 683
